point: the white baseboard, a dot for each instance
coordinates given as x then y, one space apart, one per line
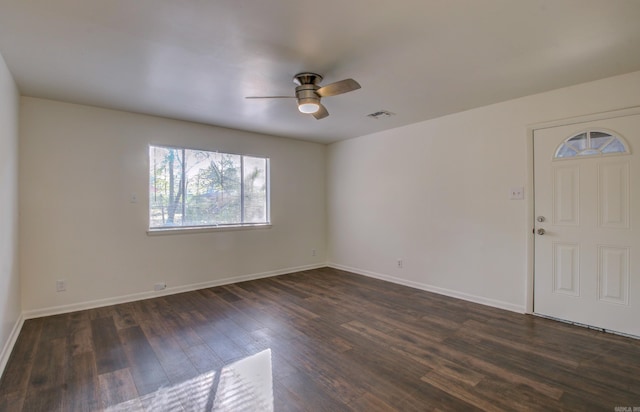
56 310
10 343
435 289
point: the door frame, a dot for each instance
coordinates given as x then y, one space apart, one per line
529 187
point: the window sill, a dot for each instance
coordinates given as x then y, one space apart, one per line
205 229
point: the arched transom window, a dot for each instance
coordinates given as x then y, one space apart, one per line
591 143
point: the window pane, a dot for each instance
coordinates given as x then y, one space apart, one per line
566 151
213 194
165 193
255 190
615 146
589 152
599 139
227 190
199 165
579 142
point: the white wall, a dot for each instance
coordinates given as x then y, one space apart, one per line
435 194
78 167
10 306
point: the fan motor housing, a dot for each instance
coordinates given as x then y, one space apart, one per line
307 78
307 91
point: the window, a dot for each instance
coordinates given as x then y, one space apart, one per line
198 188
591 143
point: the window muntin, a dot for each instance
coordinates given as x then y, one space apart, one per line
591 143
198 188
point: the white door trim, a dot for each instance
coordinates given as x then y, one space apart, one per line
530 204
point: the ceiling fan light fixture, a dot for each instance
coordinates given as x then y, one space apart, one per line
309 92
308 106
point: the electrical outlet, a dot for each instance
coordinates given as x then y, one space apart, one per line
399 263
313 252
516 193
61 285
133 198
159 286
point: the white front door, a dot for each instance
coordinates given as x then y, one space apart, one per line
587 209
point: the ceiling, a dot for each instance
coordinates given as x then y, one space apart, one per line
196 60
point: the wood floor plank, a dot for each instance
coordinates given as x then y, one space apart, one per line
338 342
313 394
204 358
530 370
371 403
146 371
180 328
18 369
492 365
334 375
124 316
12 401
225 348
467 393
118 390
56 327
49 399
109 353
164 345
227 295
82 391
101 312
79 334
47 378
48 365
286 401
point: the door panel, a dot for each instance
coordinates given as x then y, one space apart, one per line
613 274
587 263
566 272
613 195
566 195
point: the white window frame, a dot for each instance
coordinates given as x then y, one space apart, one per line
615 137
152 230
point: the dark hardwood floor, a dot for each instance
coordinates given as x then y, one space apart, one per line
320 340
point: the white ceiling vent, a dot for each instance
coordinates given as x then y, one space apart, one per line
380 114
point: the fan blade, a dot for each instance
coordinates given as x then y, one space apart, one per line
343 86
321 113
270 97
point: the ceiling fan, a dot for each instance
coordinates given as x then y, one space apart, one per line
309 93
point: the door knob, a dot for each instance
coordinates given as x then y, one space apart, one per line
541 231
